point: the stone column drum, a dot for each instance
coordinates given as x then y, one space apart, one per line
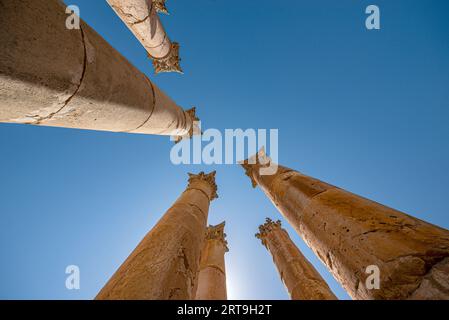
351 234
141 18
54 76
299 276
165 263
212 273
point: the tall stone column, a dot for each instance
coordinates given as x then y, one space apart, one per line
212 273
141 18
350 233
165 263
299 276
53 76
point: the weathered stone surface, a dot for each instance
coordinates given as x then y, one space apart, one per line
212 272
141 18
53 76
160 6
165 264
350 233
169 63
300 278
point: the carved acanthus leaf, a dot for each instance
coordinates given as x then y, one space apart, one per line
209 178
268 227
217 233
169 63
194 129
160 6
260 159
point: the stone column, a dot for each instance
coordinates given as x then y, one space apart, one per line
53 76
299 276
165 263
141 18
212 273
350 233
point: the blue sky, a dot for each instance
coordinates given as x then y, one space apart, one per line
364 110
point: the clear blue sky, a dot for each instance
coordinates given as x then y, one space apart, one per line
364 110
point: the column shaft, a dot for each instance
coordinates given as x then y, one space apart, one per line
299 276
141 17
53 76
165 263
212 272
350 233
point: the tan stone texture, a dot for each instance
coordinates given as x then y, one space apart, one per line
212 272
141 18
350 233
299 276
165 263
53 76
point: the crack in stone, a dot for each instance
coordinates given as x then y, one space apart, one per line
428 276
129 15
184 259
51 115
195 206
438 256
213 267
202 191
367 232
184 263
141 21
173 292
435 283
163 42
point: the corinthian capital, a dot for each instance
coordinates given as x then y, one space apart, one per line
268 227
169 63
195 129
217 233
209 178
260 159
160 6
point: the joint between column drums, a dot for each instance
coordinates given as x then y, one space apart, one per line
152 109
202 191
214 267
157 46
